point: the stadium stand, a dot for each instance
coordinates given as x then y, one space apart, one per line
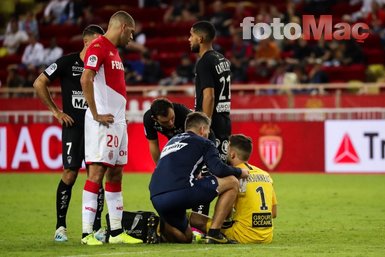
167 41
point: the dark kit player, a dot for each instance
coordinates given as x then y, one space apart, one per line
212 89
68 69
212 84
166 118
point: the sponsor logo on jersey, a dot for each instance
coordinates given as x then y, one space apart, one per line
79 102
51 69
172 148
77 70
69 159
111 155
92 60
261 220
346 152
270 145
223 107
116 65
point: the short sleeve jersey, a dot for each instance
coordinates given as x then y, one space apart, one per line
253 209
109 84
151 127
213 70
68 69
182 159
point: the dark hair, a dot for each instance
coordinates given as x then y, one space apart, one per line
242 144
159 107
92 30
196 120
206 28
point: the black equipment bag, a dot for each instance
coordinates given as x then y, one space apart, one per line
140 224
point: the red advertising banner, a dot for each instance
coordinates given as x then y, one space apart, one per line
245 101
278 147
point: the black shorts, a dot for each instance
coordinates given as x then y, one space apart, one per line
220 133
172 206
72 147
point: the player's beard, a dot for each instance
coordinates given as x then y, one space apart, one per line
195 48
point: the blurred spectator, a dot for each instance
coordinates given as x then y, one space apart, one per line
33 54
183 73
317 75
151 70
14 79
318 7
366 8
89 18
13 39
301 52
267 52
240 48
146 71
344 53
220 19
52 53
291 12
72 12
238 70
54 11
240 13
376 17
29 24
279 74
184 10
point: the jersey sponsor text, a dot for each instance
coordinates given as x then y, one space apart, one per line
117 65
172 148
223 107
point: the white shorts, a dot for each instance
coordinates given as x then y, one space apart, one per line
105 145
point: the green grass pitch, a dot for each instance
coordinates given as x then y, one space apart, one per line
318 215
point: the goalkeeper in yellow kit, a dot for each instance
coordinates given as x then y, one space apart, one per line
256 205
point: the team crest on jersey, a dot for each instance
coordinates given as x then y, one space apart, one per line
69 159
51 69
92 60
111 155
270 145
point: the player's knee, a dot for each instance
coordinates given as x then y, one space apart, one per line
69 176
234 182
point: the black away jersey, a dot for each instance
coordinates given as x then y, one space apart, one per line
213 70
151 127
69 69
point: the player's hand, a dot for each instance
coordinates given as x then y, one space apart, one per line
105 119
245 173
64 119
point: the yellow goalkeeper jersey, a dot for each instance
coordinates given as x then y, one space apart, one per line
253 221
